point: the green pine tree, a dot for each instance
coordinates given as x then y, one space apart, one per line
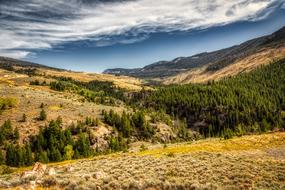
43 115
2 158
16 134
10 156
43 157
28 155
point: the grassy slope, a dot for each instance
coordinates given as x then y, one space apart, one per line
201 75
67 105
248 162
124 82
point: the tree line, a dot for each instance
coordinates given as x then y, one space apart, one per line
102 92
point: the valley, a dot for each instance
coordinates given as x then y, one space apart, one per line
216 125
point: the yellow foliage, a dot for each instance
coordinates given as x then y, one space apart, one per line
216 145
8 102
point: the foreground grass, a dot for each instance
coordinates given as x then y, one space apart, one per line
249 162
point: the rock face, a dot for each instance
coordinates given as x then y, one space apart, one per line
98 138
164 132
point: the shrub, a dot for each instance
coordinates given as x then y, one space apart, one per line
24 118
43 115
5 170
170 154
36 82
143 148
68 152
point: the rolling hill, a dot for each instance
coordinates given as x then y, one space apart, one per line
24 67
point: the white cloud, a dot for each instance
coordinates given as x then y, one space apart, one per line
73 20
15 54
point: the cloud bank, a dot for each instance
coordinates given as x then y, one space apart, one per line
30 25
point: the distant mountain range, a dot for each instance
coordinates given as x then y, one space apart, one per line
6 62
188 69
198 68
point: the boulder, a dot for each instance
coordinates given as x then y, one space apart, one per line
51 171
39 169
37 172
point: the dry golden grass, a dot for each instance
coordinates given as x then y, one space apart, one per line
128 83
245 143
124 82
200 75
69 106
249 162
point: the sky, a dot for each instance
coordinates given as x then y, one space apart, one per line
94 35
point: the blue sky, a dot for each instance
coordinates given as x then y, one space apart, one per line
92 36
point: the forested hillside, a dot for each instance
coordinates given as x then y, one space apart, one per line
247 103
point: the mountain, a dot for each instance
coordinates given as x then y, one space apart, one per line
183 69
6 62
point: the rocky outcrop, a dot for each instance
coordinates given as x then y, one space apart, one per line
164 133
35 176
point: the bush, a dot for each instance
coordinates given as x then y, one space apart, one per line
43 115
143 148
36 82
170 154
228 134
5 170
24 118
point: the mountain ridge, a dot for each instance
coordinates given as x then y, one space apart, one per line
216 60
7 62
